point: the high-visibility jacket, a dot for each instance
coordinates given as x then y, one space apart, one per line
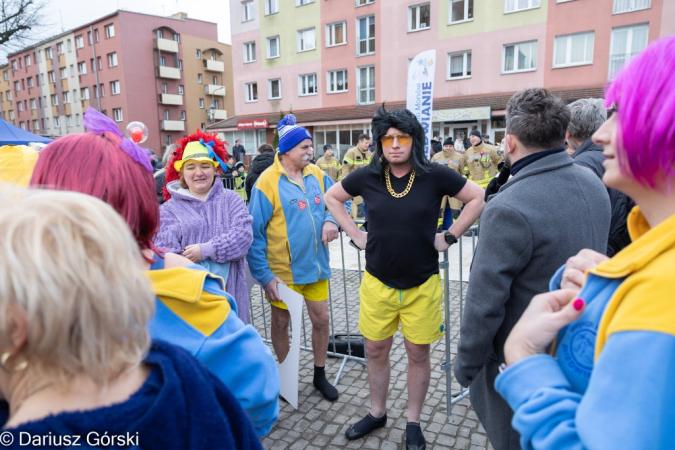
240 186
329 165
482 161
354 158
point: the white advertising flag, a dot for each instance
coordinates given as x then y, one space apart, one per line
420 97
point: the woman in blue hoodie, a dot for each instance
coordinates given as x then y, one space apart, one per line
608 381
78 364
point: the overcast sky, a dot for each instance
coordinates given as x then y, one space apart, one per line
63 15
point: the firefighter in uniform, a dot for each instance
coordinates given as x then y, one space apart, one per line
483 160
354 158
457 162
329 164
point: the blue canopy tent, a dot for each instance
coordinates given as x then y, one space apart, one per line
11 135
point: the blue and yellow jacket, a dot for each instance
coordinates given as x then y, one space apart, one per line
195 313
610 382
287 224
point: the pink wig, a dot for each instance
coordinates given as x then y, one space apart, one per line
644 92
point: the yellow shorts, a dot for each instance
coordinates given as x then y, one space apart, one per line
314 292
418 309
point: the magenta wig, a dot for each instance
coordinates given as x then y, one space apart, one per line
644 93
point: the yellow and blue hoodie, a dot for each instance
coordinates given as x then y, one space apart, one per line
287 224
610 383
194 312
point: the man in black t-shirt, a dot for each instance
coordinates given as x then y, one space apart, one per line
402 191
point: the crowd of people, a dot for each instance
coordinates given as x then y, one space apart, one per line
126 309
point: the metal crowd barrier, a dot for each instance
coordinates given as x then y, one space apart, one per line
339 306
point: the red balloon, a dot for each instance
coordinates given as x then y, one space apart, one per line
137 135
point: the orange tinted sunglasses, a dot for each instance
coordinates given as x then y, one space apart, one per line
388 140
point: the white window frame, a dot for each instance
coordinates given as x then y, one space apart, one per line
515 46
115 88
84 93
63 73
247 12
55 100
268 41
249 52
360 89
66 97
568 49
201 103
69 120
112 59
109 31
629 43
28 60
303 2
30 82
630 6
366 39
271 7
180 89
302 39
466 18
531 4
248 93
118 115
57 122
330 34
269 89
79 43
364 2
198 54
466 55
33 103
199 78
303 85
36 125
82 68
182 115
418 26
345 75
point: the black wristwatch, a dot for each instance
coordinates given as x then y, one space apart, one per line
450 238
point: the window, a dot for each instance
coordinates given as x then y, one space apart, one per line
30 82
84 93
460 11
82 68
5 75
248 11
17 86
69 121
99 60
33 104
14 66
95 91
573 49
79 43
180 64
96 36
251 92
182 115
109 31
213 56
50 75
622 6
520 5
66 98
11 115
55 100
180 89
271 7
46 123
117 113
28 60
101 89
22 124
273 89
214 79
626 43
198 54
36 125
166 114
78 122
459 65
20 106
364 2
366 86
162 61
8 95
164 88
199 78
337 81
419 17
249 52
365 36
201 103
307 84
273 48
89 38
114 87
160 34
336 34
176 37
520 57
112 59
303 2
306 40
64 73
72 71
48 53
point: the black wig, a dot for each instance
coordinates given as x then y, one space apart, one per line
404 120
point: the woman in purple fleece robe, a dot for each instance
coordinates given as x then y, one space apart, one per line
207 223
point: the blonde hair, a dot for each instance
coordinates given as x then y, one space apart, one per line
70 264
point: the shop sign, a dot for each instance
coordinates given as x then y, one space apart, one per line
462 114
251 124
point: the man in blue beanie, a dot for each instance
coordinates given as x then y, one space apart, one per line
291 232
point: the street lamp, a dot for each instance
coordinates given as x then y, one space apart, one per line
211 112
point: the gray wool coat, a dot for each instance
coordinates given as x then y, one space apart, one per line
547 212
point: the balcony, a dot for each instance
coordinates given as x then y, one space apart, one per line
214 89
214 66
173 125
172 73
170 99
219 114
166 45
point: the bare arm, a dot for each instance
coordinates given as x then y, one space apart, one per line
335 200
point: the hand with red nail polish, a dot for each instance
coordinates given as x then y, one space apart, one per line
540 323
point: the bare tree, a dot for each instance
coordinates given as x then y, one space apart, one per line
18 22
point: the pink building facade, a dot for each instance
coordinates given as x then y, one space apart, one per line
485 51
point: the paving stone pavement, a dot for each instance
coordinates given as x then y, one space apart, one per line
319 424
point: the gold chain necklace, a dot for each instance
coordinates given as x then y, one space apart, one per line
391 190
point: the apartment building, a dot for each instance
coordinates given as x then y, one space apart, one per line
333 62
168 72
6 97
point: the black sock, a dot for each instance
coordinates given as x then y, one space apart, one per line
414 440
365 426
323 385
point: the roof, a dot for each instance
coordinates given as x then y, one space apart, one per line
496 102
11 135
